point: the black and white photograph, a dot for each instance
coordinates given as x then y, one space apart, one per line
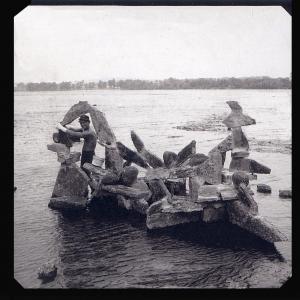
152 147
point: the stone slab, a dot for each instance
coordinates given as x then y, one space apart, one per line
68 203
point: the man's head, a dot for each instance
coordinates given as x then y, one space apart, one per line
84 121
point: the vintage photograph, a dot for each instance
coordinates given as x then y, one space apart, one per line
152 147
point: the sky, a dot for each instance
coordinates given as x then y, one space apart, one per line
65 43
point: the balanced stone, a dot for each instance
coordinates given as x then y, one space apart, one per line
285 193
236 118
263 188
131 156
239 142
68 203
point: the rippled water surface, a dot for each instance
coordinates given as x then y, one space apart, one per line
102 251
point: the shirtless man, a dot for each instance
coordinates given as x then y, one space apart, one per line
85 132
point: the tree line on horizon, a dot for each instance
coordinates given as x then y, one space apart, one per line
263 82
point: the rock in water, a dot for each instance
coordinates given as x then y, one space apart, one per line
239 214
285 193
264 188
15 188
74 203
47 272
71 181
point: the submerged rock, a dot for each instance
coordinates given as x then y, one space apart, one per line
285 193
264 188
47 272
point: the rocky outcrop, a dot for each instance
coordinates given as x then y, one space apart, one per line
68 203
264 188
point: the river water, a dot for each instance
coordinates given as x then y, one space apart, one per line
98 251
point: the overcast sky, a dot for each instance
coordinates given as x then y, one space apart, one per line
99 43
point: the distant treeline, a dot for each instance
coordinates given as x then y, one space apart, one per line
166 84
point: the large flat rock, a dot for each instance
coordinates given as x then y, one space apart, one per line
163 214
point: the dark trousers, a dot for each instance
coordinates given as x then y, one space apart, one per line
86 157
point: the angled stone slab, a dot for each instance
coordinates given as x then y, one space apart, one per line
82 107
236 118
153 160
95 169
71 181
158 190
186 152
131 156
68 203
239 215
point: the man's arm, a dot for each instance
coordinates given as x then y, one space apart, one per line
74 128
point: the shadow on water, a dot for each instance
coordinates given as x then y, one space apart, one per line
108 247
